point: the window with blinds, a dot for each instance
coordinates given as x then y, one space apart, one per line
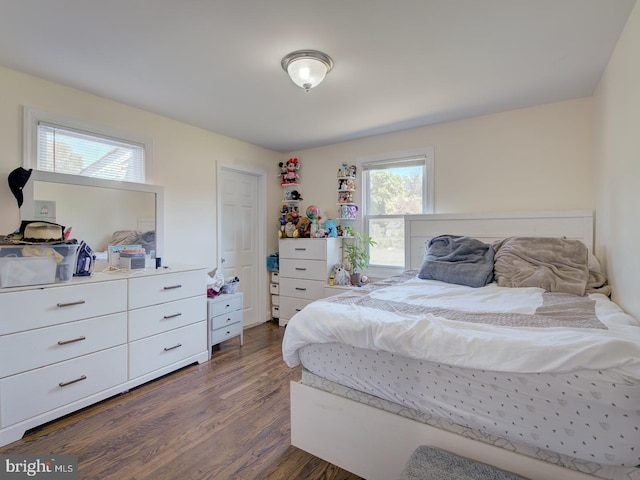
67 150
393 186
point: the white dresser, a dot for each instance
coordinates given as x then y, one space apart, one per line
67 345
305 266
225 318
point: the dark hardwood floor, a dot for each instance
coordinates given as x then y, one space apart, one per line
226 419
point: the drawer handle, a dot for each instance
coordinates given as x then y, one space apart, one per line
228 320
66 342
172 287
298 309
301 268
166 349
300 249
69 304
301 289
166 317
71 382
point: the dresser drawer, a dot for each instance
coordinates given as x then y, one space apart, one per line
152 353
308 249
144 322
38 391
155 289
29 309
293 287
306 269
24 351
226 319
222 334
290 306
224 303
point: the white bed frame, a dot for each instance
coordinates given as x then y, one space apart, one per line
376 444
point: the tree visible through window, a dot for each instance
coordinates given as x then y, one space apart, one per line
55 143
394 187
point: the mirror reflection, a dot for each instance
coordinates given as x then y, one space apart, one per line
101 213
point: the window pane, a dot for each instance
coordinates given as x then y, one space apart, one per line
388 233
396 190
69 151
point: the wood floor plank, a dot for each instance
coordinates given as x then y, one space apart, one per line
226 419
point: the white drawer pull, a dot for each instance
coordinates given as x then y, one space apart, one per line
172 287
301 289
70 382
166 317
66 342
300 249
69 304
166 349
301 268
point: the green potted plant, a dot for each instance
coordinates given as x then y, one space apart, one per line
355 251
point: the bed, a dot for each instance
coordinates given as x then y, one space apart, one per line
499 378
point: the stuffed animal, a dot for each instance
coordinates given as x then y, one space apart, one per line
295 195
291 175
331 227
340 275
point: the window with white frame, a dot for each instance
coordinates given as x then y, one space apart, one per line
57 144
394 185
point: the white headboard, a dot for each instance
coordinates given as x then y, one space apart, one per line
489 227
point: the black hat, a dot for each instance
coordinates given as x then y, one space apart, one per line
17 180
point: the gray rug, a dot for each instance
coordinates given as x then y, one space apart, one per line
430 463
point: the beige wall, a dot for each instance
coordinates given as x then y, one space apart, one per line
537 158
617 166
184 159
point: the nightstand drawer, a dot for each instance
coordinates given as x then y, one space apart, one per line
226 319
308 249
224 303
222 334
293 287
306 269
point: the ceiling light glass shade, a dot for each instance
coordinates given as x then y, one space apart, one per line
307 68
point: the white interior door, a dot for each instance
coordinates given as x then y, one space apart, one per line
241 237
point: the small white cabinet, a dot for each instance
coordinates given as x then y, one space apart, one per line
305 266
66 346
224 314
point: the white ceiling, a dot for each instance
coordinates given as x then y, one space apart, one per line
398 64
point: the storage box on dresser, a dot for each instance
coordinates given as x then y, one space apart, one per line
305 266
67 345
225 318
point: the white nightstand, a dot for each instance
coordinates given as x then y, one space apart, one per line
224 314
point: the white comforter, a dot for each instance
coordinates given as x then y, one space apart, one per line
470 345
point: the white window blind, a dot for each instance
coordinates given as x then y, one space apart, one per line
71 151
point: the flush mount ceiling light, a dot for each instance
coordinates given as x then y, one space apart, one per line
307 68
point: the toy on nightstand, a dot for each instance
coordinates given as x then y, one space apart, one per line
340 274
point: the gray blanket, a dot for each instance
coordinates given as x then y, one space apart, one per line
458 259
555 264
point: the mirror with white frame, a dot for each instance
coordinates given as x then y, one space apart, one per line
95 209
